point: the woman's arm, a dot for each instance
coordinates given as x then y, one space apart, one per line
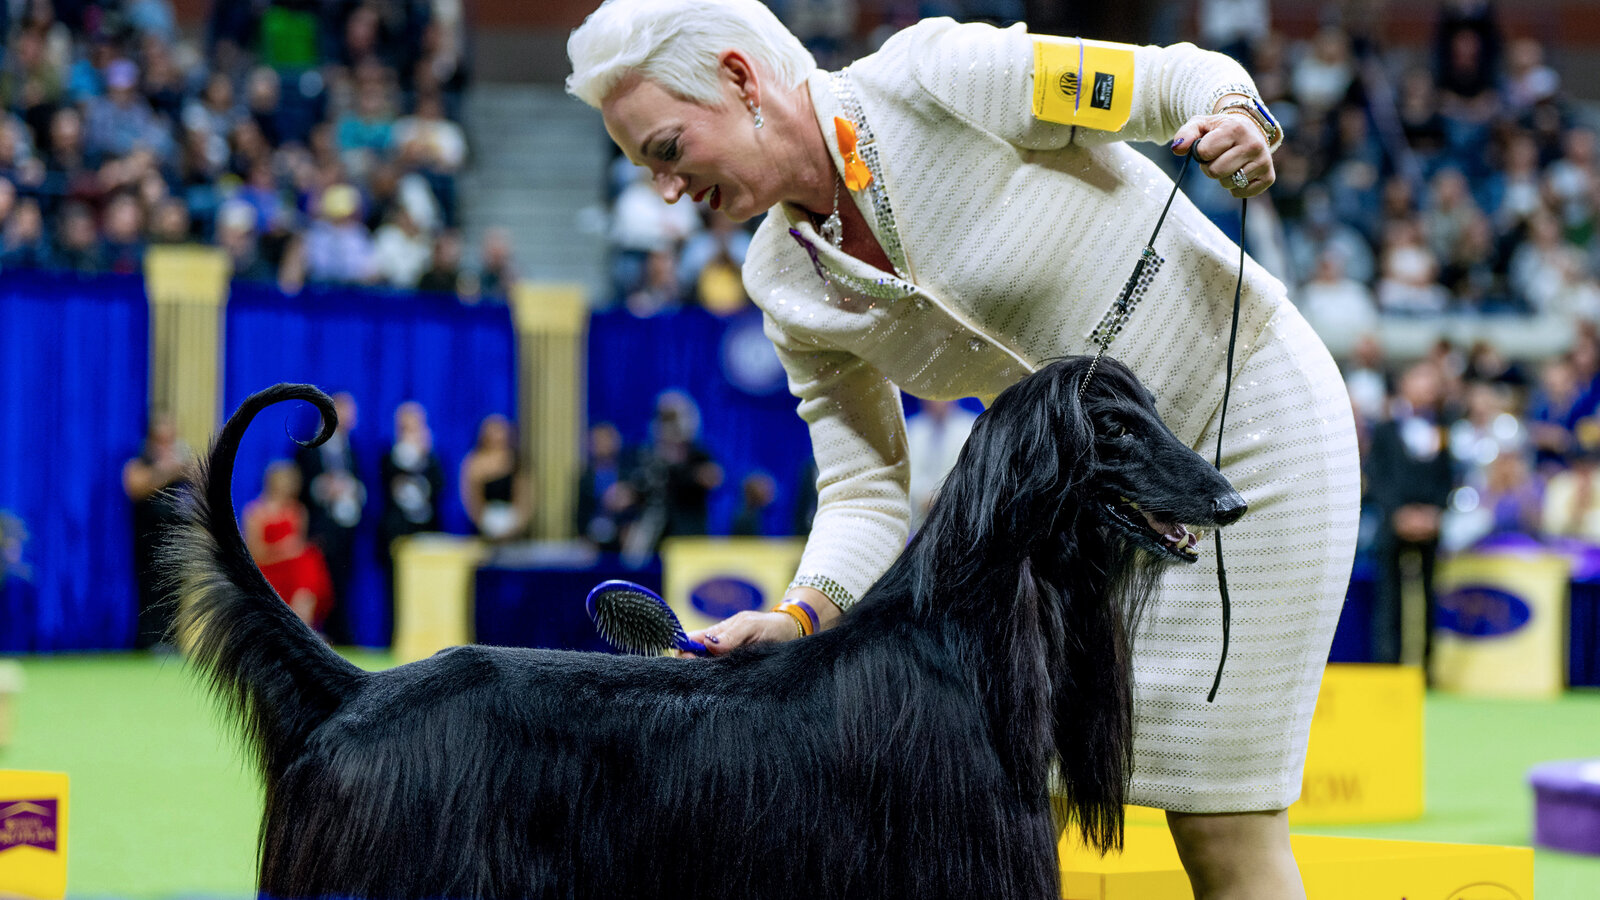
863 511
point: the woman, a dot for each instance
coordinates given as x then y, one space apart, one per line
275 531
155 480
936 225
493 491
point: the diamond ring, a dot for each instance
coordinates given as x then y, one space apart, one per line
1239 179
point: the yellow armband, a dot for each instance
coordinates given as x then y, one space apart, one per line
1082 82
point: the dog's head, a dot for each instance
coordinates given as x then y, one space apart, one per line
1058 452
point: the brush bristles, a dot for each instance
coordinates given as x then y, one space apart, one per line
635 622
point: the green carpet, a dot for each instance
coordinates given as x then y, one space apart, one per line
162 806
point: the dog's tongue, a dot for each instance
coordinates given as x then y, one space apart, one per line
1176 535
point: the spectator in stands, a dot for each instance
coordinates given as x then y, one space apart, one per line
1409 284
122 120
31 84
1319 231
659 291
443 274
435 147
494 490
1409 479
1486 431
1323 76
1553 408
170 224
23 244
77 242
401 250
364 133
642 223
337 246
1513 193
1339 307
1572 497
606 501
1367 380
275 531
1545 267
1571 181
122 244
152 481
1528 80
496 273
68 172
214 111
236 235
334 497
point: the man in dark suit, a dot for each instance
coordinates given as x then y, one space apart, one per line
1410 475
334 496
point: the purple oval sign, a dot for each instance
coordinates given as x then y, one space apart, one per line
720 598
1477 610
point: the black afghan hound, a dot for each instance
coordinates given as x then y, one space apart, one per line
906 753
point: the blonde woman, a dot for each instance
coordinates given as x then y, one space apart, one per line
945 215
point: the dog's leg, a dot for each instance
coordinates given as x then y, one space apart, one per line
1237 856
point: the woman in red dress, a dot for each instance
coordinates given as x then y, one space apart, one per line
275 530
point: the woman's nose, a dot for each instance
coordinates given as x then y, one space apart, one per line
669 186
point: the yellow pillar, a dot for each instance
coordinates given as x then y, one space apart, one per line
188 288
552 323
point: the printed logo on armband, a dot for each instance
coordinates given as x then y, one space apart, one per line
1071 64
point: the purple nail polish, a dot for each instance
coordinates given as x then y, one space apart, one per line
1176 143
713 639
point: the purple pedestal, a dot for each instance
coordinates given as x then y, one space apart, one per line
1567 805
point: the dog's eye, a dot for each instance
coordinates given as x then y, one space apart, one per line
1116 430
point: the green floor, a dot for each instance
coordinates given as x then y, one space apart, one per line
162 807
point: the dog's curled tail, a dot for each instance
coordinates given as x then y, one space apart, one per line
270 670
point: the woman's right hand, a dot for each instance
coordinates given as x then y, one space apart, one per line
746 628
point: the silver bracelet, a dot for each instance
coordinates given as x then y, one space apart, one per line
827 587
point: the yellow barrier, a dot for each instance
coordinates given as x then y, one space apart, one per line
33 834
1332 868
1364 762
707 579
433 593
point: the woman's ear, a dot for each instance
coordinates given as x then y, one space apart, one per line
739 72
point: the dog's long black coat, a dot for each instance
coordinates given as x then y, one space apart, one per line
904 753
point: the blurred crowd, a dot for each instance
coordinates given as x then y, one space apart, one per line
313 140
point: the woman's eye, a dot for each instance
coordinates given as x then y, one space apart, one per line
669 152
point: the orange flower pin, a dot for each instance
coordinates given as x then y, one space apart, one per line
856 173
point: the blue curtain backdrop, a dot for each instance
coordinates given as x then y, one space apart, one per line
748 419
458 361
74 364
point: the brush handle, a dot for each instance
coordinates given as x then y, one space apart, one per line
689 646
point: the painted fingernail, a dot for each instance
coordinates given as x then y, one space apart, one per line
713 639
1176 143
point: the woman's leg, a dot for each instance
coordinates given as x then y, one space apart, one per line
1237 856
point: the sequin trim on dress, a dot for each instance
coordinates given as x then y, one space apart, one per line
827 587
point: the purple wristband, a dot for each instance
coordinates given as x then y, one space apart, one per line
810 614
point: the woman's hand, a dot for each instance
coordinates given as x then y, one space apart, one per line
746 628
1225 143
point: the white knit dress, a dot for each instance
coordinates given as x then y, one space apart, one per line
1011 237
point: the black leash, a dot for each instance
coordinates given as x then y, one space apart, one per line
1110 326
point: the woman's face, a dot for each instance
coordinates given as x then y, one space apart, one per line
704 153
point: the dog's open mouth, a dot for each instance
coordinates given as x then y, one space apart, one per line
1171 539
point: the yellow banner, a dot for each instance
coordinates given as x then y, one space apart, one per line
1082 82
33 834
1364 762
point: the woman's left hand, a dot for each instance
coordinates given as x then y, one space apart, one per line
1225 143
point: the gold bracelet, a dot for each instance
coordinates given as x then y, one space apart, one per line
1256 113
799 618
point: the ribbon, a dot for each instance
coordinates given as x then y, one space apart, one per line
856 173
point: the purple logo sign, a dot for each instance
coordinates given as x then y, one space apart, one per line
1482 611
28 823
720 598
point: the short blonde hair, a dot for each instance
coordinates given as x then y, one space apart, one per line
677 44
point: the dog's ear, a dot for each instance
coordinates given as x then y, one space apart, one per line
1026 454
